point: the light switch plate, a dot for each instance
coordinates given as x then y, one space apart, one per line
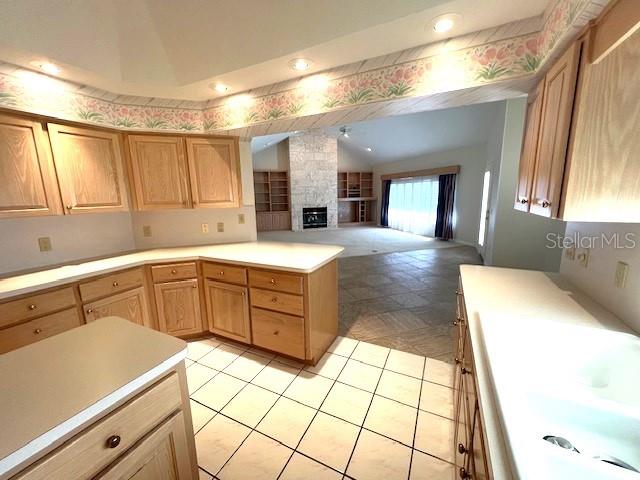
622 270
241 218
205 228
45 244
146 230
220 227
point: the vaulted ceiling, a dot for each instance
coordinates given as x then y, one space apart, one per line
177 49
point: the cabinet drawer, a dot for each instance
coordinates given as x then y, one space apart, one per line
278 332
225 273
93 449
38 329
178 271
108 285
282 282
36 305
282 302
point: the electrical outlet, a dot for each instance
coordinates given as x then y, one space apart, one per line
45 244
146 230
220 227
241 218
622 269
205 228
570 252
583 257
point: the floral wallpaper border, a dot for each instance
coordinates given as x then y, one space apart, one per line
468 67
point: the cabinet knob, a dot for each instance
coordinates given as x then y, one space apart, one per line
545 204
458 292
221 272
244 294
69 207
272 281
457 360
461 449
37 331
115 284
463 473
113 441
195 285
274 299
89 310
276 332
455 323
173 271
524 201
464 371
32 306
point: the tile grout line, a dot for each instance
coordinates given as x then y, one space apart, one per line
415 428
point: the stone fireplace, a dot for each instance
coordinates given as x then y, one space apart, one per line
313 171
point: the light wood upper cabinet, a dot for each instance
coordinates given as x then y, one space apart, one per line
529 148
228 310
89 166
178 306
27 175
214 172
159 171
131 305
555 122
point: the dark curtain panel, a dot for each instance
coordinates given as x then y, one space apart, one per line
444 218
384 204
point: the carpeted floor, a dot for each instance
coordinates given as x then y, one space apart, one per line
360 240
403 300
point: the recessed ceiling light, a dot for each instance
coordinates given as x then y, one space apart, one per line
368 149
47 67
220 87
444 23
300 64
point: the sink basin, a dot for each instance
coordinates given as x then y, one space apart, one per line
570 381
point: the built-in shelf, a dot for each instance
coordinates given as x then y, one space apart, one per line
272 199
356 201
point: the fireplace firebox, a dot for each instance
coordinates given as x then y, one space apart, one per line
314 217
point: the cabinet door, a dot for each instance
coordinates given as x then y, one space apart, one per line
89 166
159 170
131 305
264 221
529 148
281 221
162 455
555 122
214 172
27 175
178 305
228 310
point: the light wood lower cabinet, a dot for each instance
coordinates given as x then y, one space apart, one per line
472 459
178 307
131 305
228 310
148 437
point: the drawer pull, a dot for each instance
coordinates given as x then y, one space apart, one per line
89 310
463 473
464 371
195 285
546 204
37 331
173 271
113 441
244 294
461 449
272 281
32 306
221 272
274 299
276 332
115 284
455 323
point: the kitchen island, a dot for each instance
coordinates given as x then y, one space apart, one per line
98 401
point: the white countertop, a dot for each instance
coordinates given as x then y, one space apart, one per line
493 294
290 257
53 388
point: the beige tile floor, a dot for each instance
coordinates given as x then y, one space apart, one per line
364 412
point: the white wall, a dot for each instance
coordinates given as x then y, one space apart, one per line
275 157
76 237
597 279
350 161
72 237
518 239
468 197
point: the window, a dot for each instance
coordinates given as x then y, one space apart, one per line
413 205
484 213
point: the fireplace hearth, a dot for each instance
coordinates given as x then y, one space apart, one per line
314 217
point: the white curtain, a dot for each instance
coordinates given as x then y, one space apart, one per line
413 205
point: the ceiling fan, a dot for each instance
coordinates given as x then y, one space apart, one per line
344 131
